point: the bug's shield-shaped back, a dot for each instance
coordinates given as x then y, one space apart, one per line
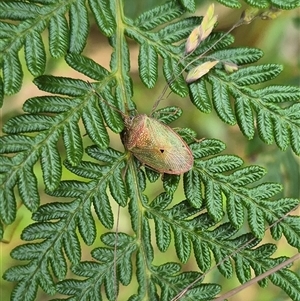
157 145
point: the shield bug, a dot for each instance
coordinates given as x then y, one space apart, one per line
156 145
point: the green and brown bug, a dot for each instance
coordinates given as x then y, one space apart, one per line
156 145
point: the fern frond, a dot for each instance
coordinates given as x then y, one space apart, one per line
44 144
61 234
221 196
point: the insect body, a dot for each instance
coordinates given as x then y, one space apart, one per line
157 145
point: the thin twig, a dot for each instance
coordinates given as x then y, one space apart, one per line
258 278
115 254
185 290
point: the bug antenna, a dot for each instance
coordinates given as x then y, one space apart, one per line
105 101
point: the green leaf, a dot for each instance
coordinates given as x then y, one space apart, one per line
70 189
245 117
146 240
243 269
73 141
86 66
88 170
152 175
168 114
103 16
117 187
223 163
15 143
260 4
55 211
50 104
255 74
161 201
94 125
178 31
28 188
235 210
72 246
18 10
221 102
189 5
247 175
281 133
231 3
288 281
295 139
103 209
86 224
108 155
113 119
7 29
170 183
35 54
1 231
265 126
51 165
61 85
162 234
58 35
29 293
199 96
172 73
202 254
79 26
8 208
28 123
12 73
213 199
187 135
286 4
206 148
276 93
182 244
148 61
256 221
159 15
239 56
192 188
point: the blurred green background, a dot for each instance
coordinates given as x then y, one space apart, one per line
279 39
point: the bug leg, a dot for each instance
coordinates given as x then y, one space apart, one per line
188 135
157 114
